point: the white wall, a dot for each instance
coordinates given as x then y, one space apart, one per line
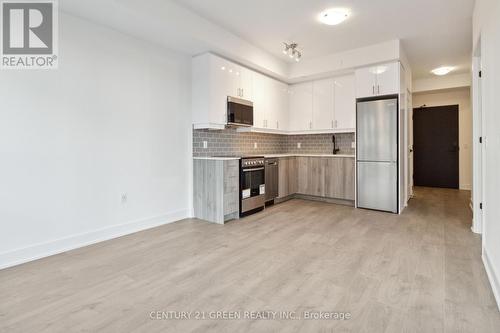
461 97
114 118
442 82
486 25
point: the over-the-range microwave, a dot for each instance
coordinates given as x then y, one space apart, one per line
239 112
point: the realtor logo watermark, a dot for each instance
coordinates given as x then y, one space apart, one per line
29 34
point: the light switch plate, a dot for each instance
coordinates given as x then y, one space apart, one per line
205 144
255 145
299 145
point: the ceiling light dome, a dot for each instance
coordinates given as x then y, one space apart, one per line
334 16
442 70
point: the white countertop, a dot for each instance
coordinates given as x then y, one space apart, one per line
216 158
220 158
307 155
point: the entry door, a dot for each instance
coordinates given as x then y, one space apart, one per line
435 135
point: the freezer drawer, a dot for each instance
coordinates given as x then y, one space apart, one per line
377 186
377 130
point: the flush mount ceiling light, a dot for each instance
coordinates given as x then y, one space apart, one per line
442 70
334 16
292 51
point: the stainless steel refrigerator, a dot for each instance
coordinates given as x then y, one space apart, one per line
377 154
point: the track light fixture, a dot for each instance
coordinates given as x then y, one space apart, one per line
292 51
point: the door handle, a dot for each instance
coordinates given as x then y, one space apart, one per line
256 169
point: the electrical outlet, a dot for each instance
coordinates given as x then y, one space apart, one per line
255 145
124 198
353 145
299 145
205 144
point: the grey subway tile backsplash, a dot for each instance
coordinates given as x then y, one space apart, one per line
229 142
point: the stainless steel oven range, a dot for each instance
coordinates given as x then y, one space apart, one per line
252 184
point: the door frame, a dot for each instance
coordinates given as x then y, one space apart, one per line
478 146
409 147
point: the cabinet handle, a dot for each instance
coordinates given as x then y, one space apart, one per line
242 92
378 89
310 125
373 90
336 124
277 124
332 123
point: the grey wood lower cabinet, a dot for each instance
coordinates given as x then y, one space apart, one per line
326 177
216 190
287 176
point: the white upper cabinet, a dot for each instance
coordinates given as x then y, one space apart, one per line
366 82
225 77
327 105
323 104
345 103
388 79
377 80
246 85
223 82
213 80
301 106
270 108
261 102
282 107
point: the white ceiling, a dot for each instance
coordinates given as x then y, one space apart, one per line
433 32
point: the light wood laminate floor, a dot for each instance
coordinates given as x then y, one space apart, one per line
418 272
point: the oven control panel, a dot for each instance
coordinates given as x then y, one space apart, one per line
252 162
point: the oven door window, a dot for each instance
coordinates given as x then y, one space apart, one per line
252 183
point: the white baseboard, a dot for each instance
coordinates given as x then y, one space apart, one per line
475 229
492 276
466 187
41 250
